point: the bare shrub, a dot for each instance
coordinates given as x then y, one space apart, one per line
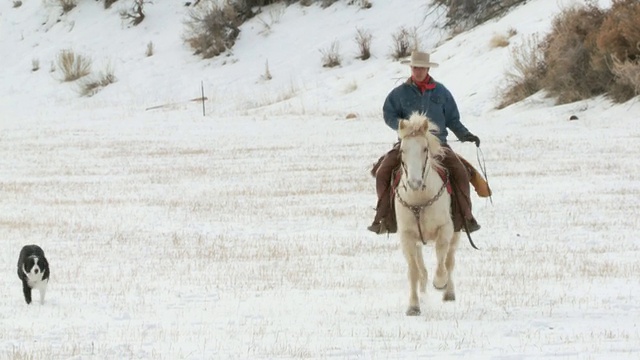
627 76
135 15
404 41
35 64
327 3
108 3
331 55
67 5
17 4
570 48
150 49
73 66
618 43
213 29
469 13
528 72
275 15
363 39
619 35
90 87
365 4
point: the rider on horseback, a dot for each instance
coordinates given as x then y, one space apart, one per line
420 93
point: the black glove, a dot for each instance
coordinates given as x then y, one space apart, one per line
471 138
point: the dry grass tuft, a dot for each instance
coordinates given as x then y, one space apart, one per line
502 40
363 39
404 41
90 87
524 79
73 66
331 55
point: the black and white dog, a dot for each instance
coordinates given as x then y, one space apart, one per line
33 270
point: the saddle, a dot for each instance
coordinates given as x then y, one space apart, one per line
479 184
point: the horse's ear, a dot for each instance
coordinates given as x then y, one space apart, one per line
402 124
424 127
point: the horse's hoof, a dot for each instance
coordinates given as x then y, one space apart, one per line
439 285
413 311
449 296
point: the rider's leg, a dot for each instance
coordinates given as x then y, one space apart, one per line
459 178
383 188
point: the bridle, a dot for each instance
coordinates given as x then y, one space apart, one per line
416 210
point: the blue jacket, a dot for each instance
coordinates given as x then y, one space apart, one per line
438 104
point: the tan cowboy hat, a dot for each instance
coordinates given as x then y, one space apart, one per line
420 59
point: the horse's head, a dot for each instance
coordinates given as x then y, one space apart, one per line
418 146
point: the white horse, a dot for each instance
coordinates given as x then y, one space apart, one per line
422 206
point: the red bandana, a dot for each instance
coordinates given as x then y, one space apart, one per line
424 85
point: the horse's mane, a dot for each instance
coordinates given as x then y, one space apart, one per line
419 124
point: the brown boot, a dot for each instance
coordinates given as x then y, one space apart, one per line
384 221
377 228
384 226
472 225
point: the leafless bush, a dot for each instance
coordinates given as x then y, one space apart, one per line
363 39
17 3
327 3
35 64
364 4
469 13
618 45
67 5
525 78
404 41
108 3
331 55
570 49
90 87
212 29
149 51
73 66
627 75
135 15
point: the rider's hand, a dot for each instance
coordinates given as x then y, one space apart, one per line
471 138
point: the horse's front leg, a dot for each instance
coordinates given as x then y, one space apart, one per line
443 240
424 276
449 291
409 248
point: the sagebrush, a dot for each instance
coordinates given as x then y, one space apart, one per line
590 51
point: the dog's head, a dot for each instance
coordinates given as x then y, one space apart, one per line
33 268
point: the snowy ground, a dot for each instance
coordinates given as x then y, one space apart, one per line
242 234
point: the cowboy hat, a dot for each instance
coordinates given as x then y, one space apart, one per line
420 59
